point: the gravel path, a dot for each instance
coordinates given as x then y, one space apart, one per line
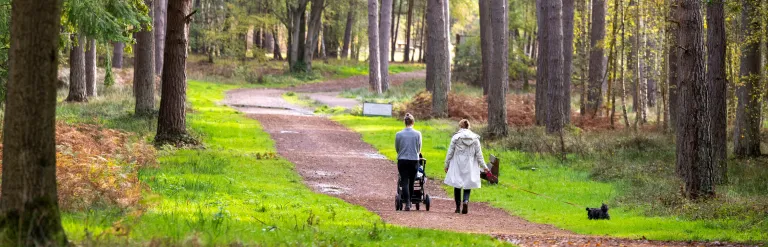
334 160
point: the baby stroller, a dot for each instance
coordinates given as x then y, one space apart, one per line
419 191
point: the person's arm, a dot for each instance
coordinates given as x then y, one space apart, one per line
418 147
397 143
479 156
449 156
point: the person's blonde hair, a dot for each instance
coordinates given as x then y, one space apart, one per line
408 119
464 124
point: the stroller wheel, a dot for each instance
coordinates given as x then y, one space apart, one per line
426 202
417 206
398 204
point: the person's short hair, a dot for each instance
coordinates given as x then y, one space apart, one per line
408 119
464 124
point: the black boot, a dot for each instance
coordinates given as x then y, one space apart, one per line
457 198
408 207
465 210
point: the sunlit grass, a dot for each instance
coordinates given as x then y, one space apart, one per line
236 190
559 184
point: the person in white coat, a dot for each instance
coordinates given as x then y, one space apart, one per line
463 163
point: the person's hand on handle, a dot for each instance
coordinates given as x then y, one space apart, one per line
446 170
487 171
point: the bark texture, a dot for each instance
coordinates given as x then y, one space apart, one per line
77 90
117 55
718 87
90 68
747 126
313 32
539 56
498 74
374 78
438 56
552 55
568 12
385 29
171 124
143 73
29 211
694 143
348 30
160 26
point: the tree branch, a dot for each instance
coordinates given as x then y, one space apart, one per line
188 18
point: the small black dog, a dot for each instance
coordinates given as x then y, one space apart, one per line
598 213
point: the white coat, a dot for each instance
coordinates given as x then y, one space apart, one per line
464 160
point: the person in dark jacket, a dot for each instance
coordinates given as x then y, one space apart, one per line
408 146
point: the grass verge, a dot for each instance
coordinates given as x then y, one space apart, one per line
238 191
572 182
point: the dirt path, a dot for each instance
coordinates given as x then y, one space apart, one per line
334 160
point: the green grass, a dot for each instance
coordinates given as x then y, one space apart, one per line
225 194
405 92
563 183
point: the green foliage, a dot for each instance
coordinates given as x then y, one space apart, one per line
105 20
109 77
633 174
236 191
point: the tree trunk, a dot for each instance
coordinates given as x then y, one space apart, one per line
29 205
674 57
160 14
438 61
541 81
313 32
567 58
486 44
384 35
553 70
632 60
374 78
276 54
409 23
640 83
77 90
694 150
117 55
297 30
497 76
143 73
747 126
90 68
396 29
718 87
423 41
348 30
171 124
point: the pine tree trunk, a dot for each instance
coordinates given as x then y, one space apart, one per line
408 25
422 40
694 150
160 26
313 32
552 55
747 126
673 59
276 53
438 62
396 29
348 30
567 58
77 90
385 25
497 75
374 78
632 60
143 73
117 55
30 212
90 68
486 43
541 80
718 87
171 124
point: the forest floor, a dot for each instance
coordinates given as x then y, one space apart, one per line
334 160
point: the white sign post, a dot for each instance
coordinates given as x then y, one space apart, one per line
376 109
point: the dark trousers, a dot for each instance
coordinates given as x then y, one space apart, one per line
407 170
457 196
